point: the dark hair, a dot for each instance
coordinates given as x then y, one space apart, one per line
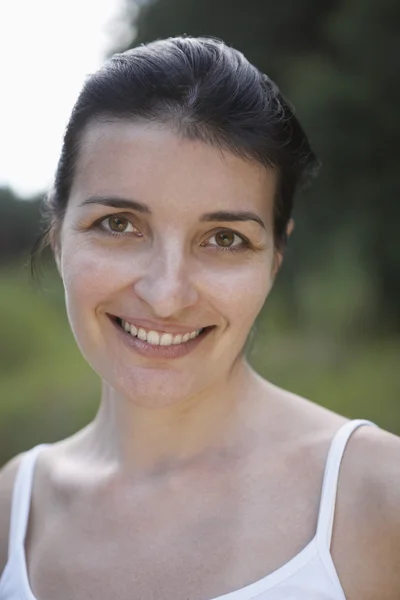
202 89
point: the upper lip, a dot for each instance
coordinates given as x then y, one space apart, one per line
161 327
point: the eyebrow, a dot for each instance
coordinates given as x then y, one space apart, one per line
240 215
219 215
118 203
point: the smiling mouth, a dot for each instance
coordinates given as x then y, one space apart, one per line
155 338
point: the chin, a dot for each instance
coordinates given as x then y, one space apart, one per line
155 388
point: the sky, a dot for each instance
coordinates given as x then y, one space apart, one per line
47 47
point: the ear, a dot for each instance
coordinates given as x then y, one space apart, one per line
278 258
290 228
56 249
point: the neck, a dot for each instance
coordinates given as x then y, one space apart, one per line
146 441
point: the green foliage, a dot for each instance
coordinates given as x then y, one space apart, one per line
19 225
47 390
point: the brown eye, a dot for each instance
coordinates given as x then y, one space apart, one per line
225 238
118 224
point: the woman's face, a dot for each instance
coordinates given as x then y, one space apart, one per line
175 236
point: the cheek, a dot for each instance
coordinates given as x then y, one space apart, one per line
239 292
89 278
90 272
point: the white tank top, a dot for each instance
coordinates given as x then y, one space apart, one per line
310 575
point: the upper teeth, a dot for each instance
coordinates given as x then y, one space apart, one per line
156 338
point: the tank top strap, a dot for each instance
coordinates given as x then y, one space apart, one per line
331 477
21 499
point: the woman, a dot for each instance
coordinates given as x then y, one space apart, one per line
197 479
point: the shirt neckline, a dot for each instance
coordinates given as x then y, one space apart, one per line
248 592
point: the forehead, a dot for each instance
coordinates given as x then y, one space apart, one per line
153 164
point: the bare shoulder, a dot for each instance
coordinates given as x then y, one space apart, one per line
372 464
366 535
7 478
376 452
366 530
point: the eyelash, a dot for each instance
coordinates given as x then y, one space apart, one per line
246 244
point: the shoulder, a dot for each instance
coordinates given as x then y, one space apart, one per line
372 462
7 479
366 535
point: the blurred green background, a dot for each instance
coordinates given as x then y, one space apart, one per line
330 329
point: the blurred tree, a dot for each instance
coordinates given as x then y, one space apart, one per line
338 62
19 225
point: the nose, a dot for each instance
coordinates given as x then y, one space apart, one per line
167 285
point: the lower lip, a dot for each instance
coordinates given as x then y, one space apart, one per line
153 351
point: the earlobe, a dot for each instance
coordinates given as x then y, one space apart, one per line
58 263
55 247
289 228
278 258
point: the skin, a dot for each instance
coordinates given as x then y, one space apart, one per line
196 477
168 276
